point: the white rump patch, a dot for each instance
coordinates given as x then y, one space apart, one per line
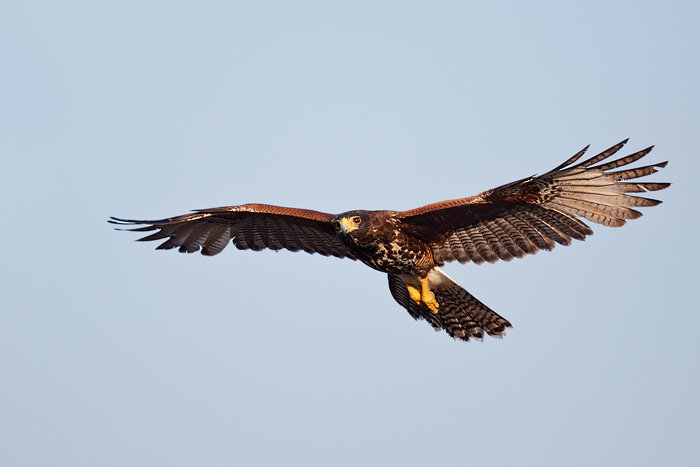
437 279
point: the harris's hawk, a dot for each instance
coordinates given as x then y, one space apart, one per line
507 222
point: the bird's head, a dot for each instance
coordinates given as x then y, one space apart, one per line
347 223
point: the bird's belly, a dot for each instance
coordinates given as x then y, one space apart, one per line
390 258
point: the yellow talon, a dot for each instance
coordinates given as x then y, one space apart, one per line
423 296
414 293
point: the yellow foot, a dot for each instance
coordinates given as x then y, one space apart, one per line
427 297
429 301
414 293
423 296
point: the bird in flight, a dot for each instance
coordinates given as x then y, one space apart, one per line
507 222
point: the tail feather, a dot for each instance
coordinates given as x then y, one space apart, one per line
460 314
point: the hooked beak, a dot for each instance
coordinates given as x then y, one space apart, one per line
346 226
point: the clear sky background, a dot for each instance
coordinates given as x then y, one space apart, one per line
113 354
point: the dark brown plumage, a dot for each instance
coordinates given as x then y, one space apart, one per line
507 222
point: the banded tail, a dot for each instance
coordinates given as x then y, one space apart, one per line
460 314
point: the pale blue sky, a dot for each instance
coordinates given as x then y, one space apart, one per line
114 354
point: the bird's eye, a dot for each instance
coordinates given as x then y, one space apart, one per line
337 225
356 220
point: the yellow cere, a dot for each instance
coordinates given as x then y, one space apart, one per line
348 224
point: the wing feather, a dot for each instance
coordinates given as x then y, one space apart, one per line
248 226
509 249
522 222
538 212
217 240
521 246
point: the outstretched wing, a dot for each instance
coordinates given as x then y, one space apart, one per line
534 213
249 226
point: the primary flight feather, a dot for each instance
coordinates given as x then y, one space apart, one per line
507 222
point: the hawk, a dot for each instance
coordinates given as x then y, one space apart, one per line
507 222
